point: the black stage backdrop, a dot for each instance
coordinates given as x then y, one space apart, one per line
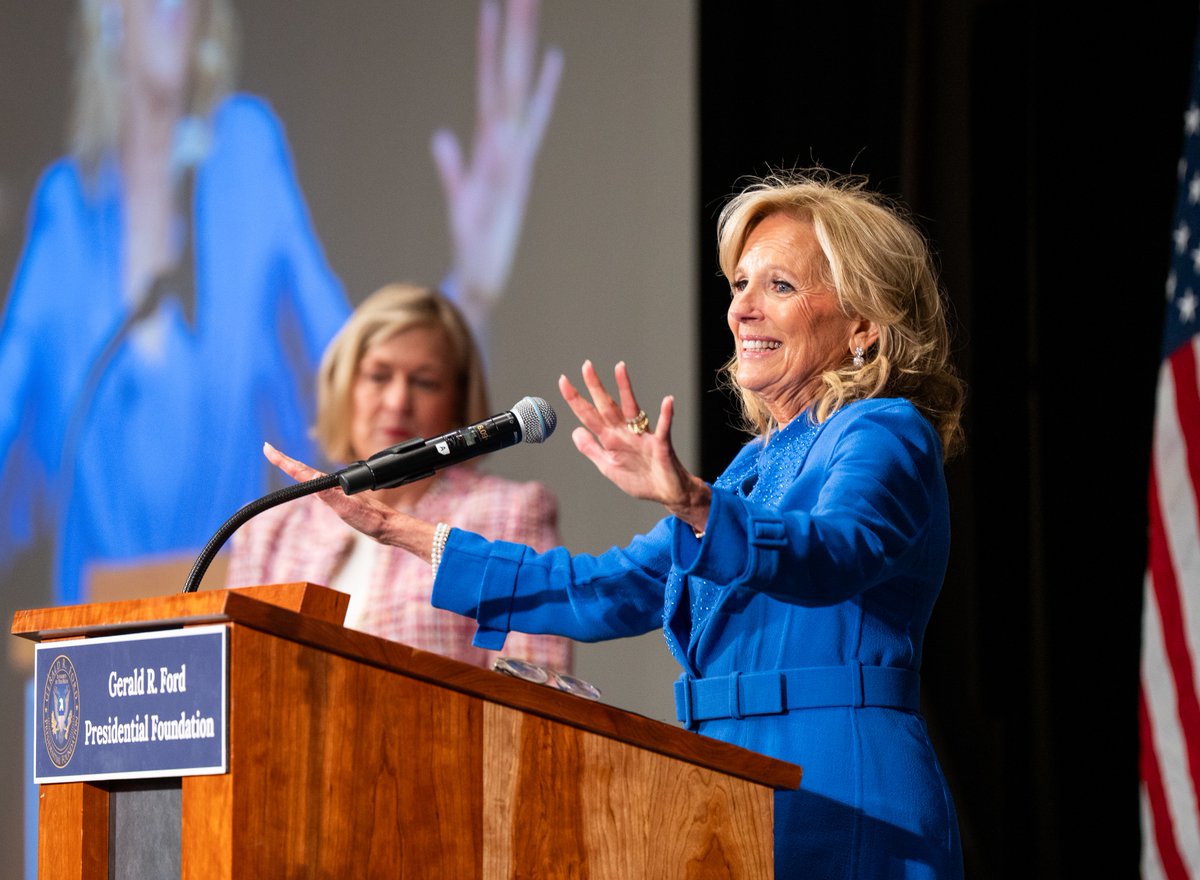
1037 143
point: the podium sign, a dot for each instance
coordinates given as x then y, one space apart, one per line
132 706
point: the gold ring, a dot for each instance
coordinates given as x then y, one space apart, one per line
639 423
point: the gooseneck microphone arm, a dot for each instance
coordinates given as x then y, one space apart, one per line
247 512
531 420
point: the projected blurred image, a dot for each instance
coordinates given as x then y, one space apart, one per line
173 297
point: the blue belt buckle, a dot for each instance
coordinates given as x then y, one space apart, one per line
764 693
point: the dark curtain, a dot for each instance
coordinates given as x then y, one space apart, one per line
1037 145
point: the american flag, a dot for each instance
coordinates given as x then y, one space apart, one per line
1169 708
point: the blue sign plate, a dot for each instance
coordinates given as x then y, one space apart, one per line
133 706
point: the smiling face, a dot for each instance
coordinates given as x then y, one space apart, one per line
405 387
786 322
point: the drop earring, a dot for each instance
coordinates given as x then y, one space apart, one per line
858 356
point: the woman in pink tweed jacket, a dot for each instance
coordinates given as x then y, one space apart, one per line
403 366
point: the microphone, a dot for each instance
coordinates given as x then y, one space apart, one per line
531 419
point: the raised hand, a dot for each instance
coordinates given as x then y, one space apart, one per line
617 439
486 199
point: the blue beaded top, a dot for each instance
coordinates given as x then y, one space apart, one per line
762 474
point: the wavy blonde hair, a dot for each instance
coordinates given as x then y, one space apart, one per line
97 112
393 309
880 267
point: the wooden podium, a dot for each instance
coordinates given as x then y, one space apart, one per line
353 756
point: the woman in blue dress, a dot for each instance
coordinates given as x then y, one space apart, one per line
794 590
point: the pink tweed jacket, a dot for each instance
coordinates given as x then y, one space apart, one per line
303 540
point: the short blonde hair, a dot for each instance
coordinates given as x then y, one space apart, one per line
97 114
393 309
880 267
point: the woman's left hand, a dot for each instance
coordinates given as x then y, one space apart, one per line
617 439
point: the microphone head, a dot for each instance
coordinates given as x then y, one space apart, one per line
536 418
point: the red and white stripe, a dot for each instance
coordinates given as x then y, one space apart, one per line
1169 705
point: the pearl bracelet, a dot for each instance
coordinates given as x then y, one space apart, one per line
440 533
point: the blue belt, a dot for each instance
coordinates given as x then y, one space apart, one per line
814 687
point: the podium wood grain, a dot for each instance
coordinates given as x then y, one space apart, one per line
353 756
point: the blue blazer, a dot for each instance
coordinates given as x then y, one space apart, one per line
797 619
